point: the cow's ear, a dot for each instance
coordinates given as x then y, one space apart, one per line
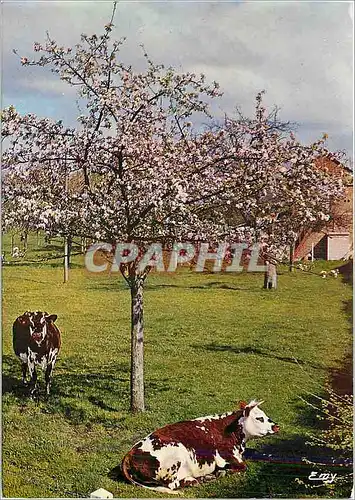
254 403
242 405
249 407
52 318
23 320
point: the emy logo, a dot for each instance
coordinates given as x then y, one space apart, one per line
324 477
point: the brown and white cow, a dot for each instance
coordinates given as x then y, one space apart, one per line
36 341
188 452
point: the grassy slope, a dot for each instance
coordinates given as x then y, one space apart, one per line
211 340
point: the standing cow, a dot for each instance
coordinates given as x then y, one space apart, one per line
36 341
185 453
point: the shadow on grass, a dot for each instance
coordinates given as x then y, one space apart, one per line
77 395
121 285
44 263
13 385
11 376
50 248
256 352
109 287
221 285
80 392
36 281
342 380
212 284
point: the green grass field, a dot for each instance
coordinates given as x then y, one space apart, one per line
210 341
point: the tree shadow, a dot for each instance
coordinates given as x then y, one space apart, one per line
109 287
99 397
206 286
10 383
76 389
13 385
36 281
81 393
121 285
50 248
221 285
341 381
256 352
41 264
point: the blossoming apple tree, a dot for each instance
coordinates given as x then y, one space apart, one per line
279 187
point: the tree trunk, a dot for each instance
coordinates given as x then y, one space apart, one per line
70 244
137 347
12 243
24 238
83 245
292 251
270 276
66 260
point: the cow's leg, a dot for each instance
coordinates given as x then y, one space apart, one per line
24 373
33 376
189 481
185 476
208 478
48 376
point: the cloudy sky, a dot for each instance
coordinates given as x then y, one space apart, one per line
299 52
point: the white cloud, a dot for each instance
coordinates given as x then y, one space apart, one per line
300 52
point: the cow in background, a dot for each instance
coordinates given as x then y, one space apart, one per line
36 341
188 452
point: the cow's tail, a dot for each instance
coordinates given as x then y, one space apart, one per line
125 466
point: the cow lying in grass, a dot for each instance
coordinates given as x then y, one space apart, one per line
189 452
36 341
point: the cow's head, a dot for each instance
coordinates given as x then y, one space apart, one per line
37 323
254 421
